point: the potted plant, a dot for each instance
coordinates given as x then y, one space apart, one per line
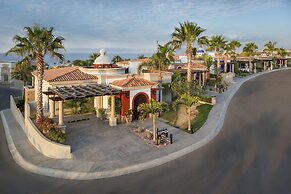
128 116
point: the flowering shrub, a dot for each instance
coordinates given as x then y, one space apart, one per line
51 130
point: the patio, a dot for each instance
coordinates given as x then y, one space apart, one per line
95 140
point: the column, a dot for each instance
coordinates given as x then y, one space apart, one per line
112 118
285 62
52 108
97 105
255 67
203 78
199 78
264 65
271 63
280 63
232 67
225 66
61 112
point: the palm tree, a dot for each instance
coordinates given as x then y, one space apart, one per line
22 71
250 50
188 101
208 62
35 45
234 44
155 109
159 61
187 32
216 44
116 59
282 52
270 48
92 58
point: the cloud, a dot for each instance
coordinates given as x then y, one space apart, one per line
129 24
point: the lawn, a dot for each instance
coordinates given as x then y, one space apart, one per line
203 111
170 116
197 123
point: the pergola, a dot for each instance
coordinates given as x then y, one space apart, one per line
79 92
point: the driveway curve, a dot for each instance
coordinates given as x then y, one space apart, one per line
251 154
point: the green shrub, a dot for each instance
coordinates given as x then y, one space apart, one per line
57 135
205 99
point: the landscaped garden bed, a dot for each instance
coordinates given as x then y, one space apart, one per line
147 135
202 114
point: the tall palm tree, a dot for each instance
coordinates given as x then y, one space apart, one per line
250 49
187 32
155 109
216 44
270 48
234 45
35 45
116 59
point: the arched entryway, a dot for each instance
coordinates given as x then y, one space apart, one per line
137 100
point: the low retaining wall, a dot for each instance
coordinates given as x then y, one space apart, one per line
16 112
37 139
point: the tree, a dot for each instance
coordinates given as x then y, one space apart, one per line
188 101
35 45
92 58
180 86
80 63
141 57
116 59
270 48
155 109
249 50
208 61
187 32
159 61
216 44
233 45
282 52
22 71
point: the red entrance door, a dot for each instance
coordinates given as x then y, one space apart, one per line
139 99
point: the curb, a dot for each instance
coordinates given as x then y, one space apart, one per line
130 169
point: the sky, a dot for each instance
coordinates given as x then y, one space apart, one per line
135 26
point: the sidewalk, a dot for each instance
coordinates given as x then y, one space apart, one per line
85 168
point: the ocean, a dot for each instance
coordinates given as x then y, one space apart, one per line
70 57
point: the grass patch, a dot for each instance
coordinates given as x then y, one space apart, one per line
198 122
203 111
170 116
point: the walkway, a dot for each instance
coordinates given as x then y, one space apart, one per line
251 154
96 156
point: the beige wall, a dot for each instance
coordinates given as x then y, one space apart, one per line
41 143
16 112
154 77
29 94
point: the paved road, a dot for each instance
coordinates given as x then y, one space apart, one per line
252 154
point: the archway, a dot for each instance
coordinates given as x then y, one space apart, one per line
137 100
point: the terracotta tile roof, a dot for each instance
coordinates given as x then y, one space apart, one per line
133 82
133 60
194 65
66 74
198 66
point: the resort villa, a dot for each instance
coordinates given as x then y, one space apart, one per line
104 81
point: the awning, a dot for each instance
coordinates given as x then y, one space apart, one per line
80 91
